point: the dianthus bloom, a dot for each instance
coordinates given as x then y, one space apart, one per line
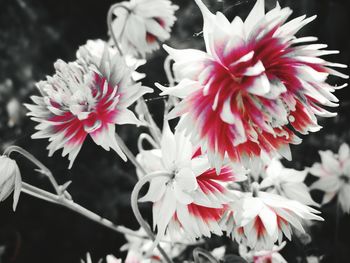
10 180
85 99
140 24
286 182
191 198
260 219
263 256
254 82
334 176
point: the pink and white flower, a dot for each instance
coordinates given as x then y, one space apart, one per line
286 182
191 198
140 25
255 80
85 99
260 219
334 176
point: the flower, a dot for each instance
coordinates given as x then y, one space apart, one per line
109 259
10 180
190 198
334 176
85 99
139 244
92 52
259 219
254 82
264 256
140 24
287 182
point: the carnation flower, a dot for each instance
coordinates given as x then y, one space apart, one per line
254 82
334 176
140 24
191 198
286 182
10 180
259 219
85 99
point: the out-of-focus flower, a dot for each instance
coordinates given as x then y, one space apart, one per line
218 252
286 182
191 197
334 176
92 52
14 112
259 219
254 82
10 180
140 24
109 259
81 100
138 248
263 256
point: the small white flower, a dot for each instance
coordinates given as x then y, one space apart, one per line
287 182
140 24
334 176
10 180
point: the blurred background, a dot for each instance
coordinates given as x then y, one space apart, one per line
34 34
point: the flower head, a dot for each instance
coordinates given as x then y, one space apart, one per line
191 198
286 182
85 99
334 176
140 24
254 82
10 180
259 219
264 256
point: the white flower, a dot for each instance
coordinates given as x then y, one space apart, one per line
192 197
256 85
92 52
10 180
138 246
109 259
287 182
140 24
263 256
334 176
260 219
85 99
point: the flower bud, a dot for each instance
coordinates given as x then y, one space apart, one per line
10 180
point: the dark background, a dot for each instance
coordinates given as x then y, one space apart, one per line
34 33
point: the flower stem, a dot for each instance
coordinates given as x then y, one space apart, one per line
109 24
201 252
153 128
42 168
137 213
129 154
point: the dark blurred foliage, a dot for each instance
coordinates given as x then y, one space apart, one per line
34 33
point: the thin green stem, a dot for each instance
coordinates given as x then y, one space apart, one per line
42 168
197 252
129 154
137 213
109 24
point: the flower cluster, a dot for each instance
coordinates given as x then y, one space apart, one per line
243 102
